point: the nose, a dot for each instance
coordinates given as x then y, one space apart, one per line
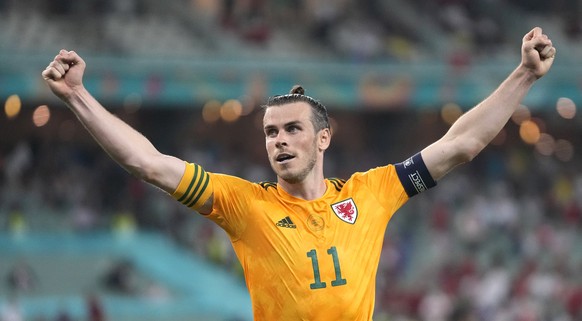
280 140
280 144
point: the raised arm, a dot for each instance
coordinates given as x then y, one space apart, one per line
129 148
477 127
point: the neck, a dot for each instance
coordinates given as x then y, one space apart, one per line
309 189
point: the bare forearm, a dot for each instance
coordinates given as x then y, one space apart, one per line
134 152
476 128
482 123
125 145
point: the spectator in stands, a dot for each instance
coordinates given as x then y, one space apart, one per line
22 278
95 310
121 278
11 310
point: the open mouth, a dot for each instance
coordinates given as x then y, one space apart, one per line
282 158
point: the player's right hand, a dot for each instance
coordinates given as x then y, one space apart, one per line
64 74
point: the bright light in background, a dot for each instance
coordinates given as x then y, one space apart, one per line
12 106
41 115
564 150
521 114
231 110
546 145
450 113
566 108
211 111
529 132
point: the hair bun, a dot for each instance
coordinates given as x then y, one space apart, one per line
297 89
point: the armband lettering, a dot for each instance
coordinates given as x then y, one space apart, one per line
414 175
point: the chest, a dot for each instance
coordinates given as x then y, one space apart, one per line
322 244
340 221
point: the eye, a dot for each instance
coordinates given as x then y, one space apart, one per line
270 132
293 128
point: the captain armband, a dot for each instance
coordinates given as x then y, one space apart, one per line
414 175
195 187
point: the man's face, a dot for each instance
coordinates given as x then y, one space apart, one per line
292 143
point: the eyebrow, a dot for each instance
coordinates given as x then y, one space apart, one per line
295 122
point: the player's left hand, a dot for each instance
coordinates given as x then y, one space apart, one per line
537 52
64 74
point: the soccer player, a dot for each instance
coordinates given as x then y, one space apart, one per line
309 246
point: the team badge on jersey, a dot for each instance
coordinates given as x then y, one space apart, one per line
315 223
346 210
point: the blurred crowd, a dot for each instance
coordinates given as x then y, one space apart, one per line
496 240
355 30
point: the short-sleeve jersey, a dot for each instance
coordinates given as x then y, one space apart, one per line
309 260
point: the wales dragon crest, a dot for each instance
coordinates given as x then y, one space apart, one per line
346 210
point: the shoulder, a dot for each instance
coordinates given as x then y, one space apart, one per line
377 178
376 172
239 184
361 177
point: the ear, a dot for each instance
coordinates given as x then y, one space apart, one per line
323 139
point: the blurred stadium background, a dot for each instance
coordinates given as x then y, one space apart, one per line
80 239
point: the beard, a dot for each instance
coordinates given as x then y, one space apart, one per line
297 176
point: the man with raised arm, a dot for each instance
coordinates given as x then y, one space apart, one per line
309 246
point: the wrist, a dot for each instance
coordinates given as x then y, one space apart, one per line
526 74
75 95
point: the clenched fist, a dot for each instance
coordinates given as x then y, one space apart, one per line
64 74
537 52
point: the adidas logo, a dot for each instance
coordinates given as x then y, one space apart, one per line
286 222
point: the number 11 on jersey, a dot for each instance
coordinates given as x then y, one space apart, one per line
318 284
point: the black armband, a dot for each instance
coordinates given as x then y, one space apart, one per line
414 175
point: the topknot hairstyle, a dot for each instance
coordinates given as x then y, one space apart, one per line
297 89
297 94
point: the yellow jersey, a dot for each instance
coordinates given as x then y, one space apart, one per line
307 260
